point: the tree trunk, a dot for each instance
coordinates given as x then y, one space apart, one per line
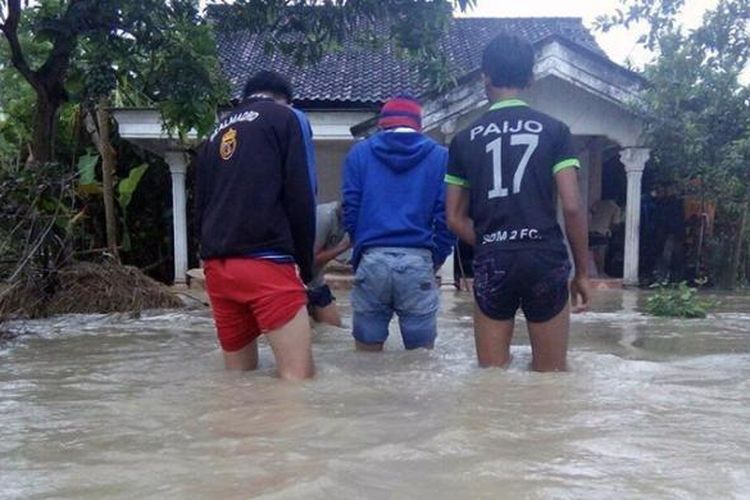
736 256
45 128
739 244
109 164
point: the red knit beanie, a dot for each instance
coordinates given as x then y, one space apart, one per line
401 112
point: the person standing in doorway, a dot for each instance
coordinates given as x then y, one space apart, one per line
502 175
255 210
394 211
604 215
331 241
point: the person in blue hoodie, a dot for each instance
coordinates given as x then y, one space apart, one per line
394 212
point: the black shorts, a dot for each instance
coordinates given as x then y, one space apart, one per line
320 297
535 280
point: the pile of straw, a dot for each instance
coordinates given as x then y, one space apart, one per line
86 287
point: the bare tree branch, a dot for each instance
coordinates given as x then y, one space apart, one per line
10 30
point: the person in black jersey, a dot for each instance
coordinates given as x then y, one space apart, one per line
502 175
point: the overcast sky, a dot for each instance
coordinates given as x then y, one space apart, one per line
620 44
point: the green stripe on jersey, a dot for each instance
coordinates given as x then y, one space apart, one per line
570 162
456 181
507 103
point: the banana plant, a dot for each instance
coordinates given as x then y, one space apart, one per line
90 186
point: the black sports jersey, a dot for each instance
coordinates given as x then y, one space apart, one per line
507 159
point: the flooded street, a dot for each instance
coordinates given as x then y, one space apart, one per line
108 406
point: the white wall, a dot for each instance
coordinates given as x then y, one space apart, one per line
330 159
583 112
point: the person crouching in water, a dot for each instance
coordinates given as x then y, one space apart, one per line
394 211
502 174
255 210
331 241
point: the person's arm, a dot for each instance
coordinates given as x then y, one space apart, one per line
299 200
458 196
323 257
351 190
565 171
576 229
457 211
443 238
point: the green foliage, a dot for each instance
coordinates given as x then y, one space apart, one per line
83 49
696 107
90 189
125 190
187 81
128 185
165 56
162 53
679 301
87 169
16 106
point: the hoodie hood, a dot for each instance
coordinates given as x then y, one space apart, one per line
401 151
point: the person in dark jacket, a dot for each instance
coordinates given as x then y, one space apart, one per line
394 212
255 209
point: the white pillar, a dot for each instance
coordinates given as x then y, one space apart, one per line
178 168
634 160
446 273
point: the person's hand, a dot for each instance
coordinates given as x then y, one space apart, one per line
344 245
580 293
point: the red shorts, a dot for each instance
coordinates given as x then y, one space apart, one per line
250 297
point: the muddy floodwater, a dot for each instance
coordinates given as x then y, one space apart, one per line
117 407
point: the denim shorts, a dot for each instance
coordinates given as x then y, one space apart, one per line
535 280
400 280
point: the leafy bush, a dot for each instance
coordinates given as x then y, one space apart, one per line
679 301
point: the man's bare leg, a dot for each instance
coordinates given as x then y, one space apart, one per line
359 346
292 348
492 340
245 359
328 315
549 343
599 256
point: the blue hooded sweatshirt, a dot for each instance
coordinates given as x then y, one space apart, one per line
394 194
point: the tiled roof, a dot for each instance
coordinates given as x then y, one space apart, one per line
369 76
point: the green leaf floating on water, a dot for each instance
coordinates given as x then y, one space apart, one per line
679 301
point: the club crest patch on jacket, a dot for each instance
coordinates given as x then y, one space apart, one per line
228 144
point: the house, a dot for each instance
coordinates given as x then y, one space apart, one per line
574 81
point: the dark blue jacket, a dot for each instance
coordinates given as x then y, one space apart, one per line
307 134
394 194
254 195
